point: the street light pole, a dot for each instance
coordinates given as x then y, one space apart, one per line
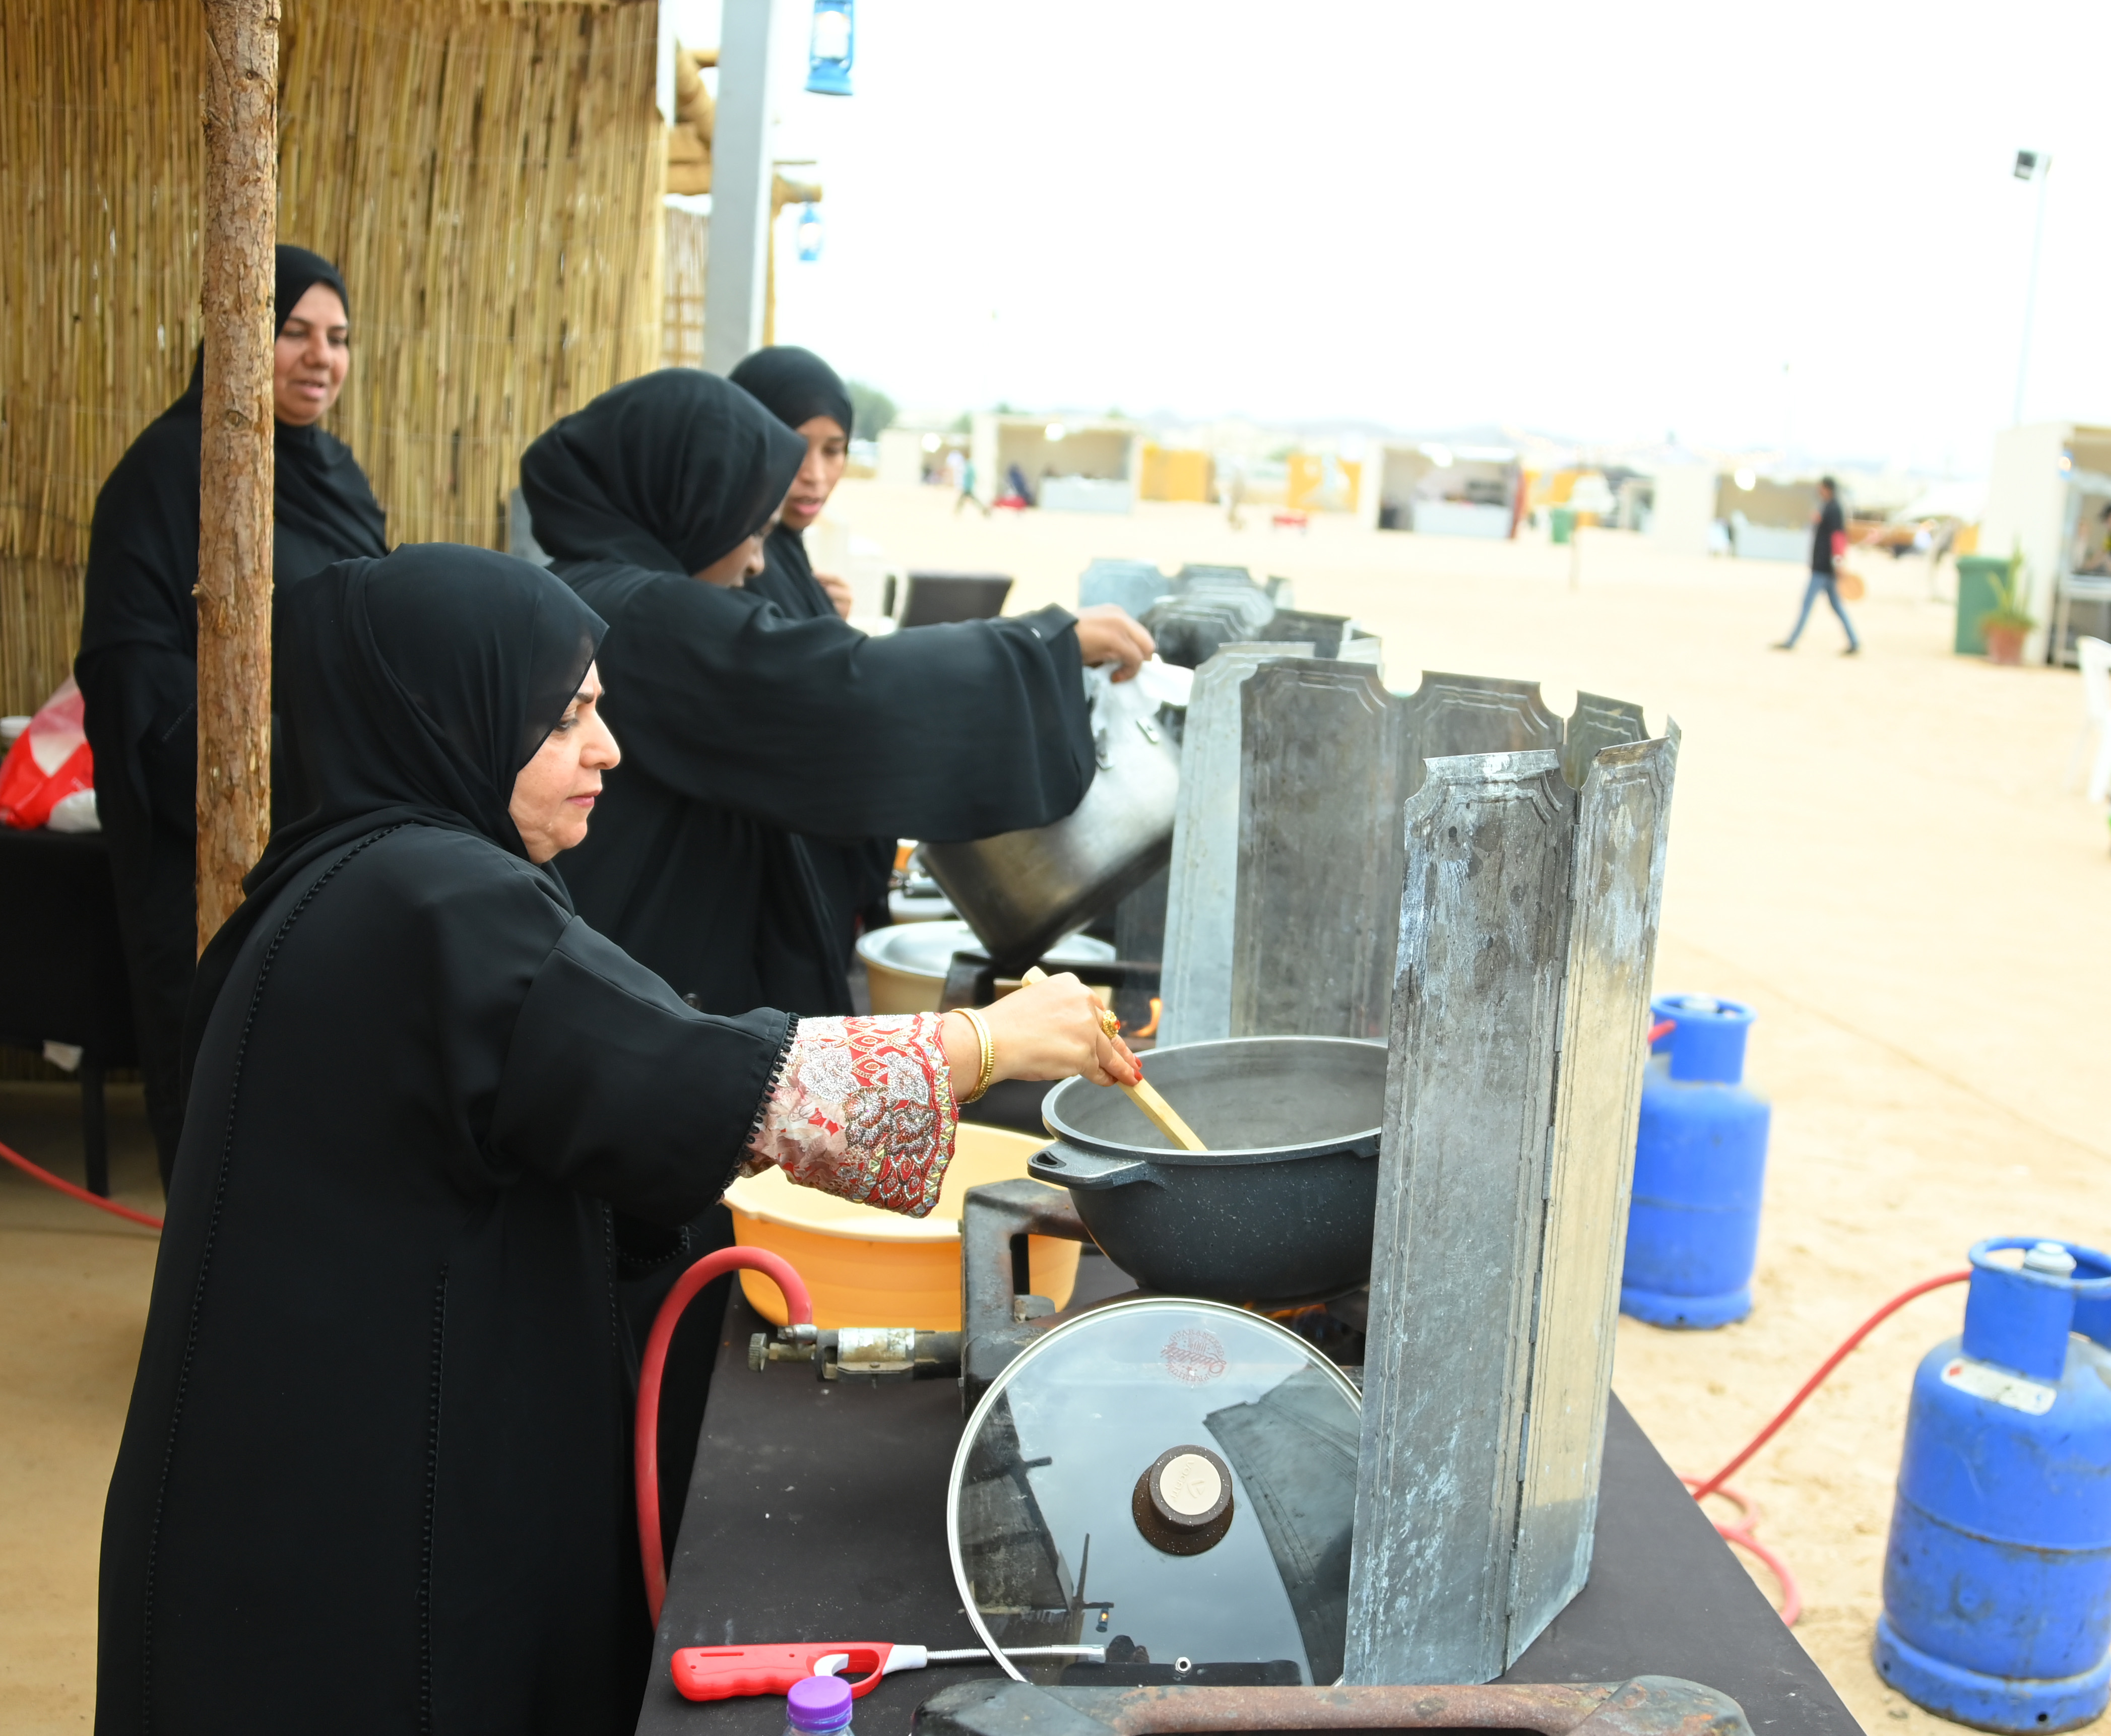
2030 166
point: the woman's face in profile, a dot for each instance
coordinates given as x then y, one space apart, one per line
739 564
311 357
554 793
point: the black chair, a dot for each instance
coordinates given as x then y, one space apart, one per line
934 599
62 976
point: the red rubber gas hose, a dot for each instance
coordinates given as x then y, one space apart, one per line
1739 1530
1703 1491
36 1172
799 1309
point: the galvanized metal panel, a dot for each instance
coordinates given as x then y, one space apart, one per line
1597 722
1319 859
1475 714
1197 979
1616 891
1366 648
1483 933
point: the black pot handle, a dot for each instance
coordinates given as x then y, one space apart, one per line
1067 1166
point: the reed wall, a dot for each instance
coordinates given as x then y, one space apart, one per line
486 173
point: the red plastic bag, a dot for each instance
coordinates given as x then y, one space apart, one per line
49 762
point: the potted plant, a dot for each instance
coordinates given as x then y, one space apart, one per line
2005 625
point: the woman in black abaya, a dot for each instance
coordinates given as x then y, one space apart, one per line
375 1477
807 396
138 666
744 727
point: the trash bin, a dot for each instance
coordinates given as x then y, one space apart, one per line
1563 519
1975 576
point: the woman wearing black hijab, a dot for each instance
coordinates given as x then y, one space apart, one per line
374 1475
138 666
744 727
807 396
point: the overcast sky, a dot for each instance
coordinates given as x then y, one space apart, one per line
1792 225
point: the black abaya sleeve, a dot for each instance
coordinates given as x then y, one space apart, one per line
610 1082
953 732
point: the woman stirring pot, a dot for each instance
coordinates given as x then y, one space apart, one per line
375 1473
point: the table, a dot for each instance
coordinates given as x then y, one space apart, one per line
817 1511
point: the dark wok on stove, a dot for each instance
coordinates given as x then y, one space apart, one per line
1279 1209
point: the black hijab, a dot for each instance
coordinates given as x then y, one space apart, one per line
142 551
667 472
746 730
415 689
795 386
137 670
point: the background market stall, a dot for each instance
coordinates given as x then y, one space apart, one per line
2047 496
1443 490
1068 464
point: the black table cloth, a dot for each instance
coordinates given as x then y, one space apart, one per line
818 1511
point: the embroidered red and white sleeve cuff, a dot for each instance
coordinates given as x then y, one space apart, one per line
863 1110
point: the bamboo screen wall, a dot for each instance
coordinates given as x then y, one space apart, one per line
486 173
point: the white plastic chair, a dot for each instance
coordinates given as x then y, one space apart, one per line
2094 656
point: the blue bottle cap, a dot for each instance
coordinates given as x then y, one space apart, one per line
819 1703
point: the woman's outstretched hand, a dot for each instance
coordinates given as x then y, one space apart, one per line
1107 634
1047 1030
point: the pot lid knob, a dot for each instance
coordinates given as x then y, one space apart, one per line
1183 1502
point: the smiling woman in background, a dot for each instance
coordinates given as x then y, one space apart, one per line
138 666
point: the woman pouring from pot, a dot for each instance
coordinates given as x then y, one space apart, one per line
744 728
374 1475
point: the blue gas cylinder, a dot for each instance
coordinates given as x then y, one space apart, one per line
1700 1167
1997 1579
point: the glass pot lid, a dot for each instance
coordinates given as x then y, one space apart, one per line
1173 1479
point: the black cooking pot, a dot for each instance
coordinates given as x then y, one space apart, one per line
1277 1209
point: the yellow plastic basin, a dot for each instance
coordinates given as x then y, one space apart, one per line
866 1267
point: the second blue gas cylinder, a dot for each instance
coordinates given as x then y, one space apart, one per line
1701 1167
1997 1577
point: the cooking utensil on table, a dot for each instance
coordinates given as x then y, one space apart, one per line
1020 890
735 1672
1278 1208
1175 1478
1160 1114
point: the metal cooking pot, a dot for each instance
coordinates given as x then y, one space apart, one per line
1279 1209
1020 890
905 964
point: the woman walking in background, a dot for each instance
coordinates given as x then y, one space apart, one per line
1828 542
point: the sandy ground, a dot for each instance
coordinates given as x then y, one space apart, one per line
1882 854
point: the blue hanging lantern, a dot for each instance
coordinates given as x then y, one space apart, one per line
831 49
809 233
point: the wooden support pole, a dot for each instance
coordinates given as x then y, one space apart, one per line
235 471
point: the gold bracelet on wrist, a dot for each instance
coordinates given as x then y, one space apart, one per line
988 1050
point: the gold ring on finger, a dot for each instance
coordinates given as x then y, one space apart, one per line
1108 1022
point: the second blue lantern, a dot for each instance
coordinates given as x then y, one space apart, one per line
832 47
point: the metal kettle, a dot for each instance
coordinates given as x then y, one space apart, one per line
1021 891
